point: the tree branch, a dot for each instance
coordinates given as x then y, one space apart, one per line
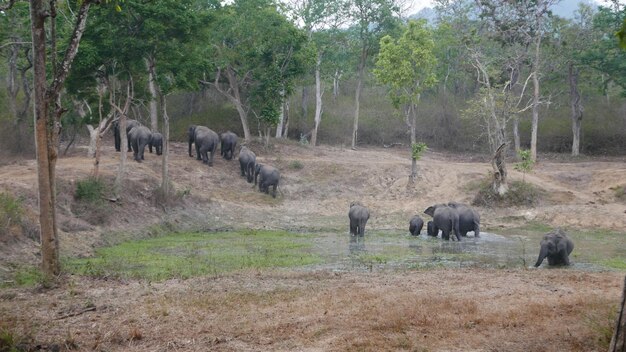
72 50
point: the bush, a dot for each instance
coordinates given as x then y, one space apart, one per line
90 190
520 194
296 165
620 193
10 212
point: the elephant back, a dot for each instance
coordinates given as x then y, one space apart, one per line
358 212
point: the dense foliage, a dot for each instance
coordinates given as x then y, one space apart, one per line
248 65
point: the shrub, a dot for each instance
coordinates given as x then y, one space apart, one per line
90 190
296 165
620 193
520 194
10 212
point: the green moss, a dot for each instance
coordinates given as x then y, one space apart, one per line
197 254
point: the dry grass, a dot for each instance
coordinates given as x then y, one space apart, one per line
438 310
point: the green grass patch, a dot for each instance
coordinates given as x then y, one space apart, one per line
520 194
10 212
24 276
296 165
197 254
620 193
91 189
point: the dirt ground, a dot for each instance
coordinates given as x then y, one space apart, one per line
465 309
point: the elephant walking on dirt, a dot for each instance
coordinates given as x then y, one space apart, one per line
555 246
205 140
469 219
267 176
415 225
156 141
247 162
358 216
229 142
139 138
116 133
446 219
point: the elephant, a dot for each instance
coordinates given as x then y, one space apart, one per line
139 138
229 141
555 246
156 141
267 176
358 216
205 140
430 229
415 225
469 219
116 133
247 161
446 219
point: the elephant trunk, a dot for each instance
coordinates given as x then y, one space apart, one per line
543 253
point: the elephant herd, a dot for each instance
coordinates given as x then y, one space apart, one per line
139 137
205 142
459 219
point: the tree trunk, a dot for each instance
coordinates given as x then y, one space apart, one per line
357 99
577 108
318 101
235 97
516 138
165 178
281 117
618 341
412 111
336 78
535 119
152 104
286 110
93 138
46 126
304 103
500 185
121 171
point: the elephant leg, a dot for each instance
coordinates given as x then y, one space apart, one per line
274 191
242 171
198 156
476 231
150 147
352 229
211 159
445 234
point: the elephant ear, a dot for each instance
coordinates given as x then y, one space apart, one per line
430 210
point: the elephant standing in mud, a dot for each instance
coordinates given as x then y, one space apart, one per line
229 142
415 225
555 246
156 141
358 216
139 138
267 176
446 219
247 162
205 140
130 124
469 219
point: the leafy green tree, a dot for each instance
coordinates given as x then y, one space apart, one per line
407 65
372 19
258 53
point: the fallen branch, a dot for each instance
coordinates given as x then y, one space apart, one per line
88 309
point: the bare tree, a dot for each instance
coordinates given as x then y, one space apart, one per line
47 115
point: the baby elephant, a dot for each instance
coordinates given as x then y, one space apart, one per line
556 246
415 225
156 141
267 176
358 215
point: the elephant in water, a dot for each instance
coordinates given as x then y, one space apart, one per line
205 140
446 219
267 176
415 225
229 142
247 161
116 133
156 141
139 138
555 246
469 219
358 215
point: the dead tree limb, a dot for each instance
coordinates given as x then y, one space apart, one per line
618 342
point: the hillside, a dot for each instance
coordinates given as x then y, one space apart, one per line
440 309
